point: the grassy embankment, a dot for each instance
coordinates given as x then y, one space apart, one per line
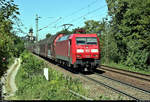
121 66
32 84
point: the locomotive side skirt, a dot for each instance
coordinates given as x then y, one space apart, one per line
65 58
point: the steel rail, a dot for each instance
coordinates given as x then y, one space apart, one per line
77 94
146 91
125 74
105 85
126 71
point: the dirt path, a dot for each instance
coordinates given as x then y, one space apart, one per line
9 87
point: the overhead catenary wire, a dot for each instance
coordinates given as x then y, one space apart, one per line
87 14
81 9
50 24
83 16
76 12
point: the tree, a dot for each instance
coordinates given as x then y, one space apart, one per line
78 30
65 31
31 30
130 26
92 26
48 35
8 11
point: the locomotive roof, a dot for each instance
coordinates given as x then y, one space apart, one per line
86 35
49 40
53 37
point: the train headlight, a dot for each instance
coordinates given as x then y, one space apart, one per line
94 50
80 50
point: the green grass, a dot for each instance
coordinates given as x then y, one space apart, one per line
104 97
11 61
121 66
32 84
12 98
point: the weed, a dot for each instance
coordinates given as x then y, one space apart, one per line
32 84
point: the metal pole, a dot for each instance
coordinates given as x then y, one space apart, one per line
107 44
106 40
36 27
107 28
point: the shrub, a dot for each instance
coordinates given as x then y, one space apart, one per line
32 84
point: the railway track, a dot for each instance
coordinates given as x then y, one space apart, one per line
139 91
135 87
108 86
136 75
123 92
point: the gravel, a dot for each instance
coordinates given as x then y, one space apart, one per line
95 91
127 89
127 79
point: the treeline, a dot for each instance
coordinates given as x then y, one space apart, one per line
130 27
10 44
124 34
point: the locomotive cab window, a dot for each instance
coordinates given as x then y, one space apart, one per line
86 40
63 38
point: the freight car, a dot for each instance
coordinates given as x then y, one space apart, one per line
79 51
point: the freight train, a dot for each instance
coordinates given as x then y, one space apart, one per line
77 51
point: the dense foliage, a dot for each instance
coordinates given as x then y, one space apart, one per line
131 30
48 35
64 31
10 45
32 84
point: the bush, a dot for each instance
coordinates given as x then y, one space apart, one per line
32 84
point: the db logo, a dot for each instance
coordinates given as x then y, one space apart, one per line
87 50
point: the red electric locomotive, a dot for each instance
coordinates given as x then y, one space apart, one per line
79 50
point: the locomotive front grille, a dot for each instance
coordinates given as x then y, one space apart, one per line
87 62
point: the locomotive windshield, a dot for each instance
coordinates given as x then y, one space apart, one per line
86 40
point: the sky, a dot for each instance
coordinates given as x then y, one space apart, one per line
54 13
